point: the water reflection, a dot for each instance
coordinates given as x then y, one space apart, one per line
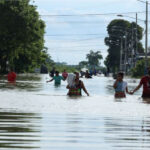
127 133
19 130
30 82
37 115
73 131
20 86
85 132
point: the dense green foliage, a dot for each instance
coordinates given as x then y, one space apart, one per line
83 64
68 68
117 30
93 60
22 36
139 70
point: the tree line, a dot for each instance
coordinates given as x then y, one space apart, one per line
22 37
125 34
22 40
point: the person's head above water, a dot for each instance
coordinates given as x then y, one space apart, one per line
57 73
120 76
77 75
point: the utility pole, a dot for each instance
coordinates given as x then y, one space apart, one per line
136 44
132 50
121 55
146 38
125 57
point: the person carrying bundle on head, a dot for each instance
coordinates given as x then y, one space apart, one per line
75 85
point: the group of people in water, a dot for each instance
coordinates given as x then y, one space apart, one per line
75 85
121 87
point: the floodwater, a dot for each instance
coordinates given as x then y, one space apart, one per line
39 116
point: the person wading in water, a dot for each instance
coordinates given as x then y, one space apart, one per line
75 88
145 82
120 86
57 78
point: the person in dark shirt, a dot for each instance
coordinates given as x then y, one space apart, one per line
87 75
52 72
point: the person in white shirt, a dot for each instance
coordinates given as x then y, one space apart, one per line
120 86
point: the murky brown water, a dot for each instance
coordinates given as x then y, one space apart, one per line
36 115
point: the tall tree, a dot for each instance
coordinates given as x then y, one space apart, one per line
21 34
94 58
122 30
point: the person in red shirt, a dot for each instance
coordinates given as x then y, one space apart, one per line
145 82
11 77
65 74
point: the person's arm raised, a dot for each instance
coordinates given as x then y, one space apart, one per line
115 84
50 80
63 78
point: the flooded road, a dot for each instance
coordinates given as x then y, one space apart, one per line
36 115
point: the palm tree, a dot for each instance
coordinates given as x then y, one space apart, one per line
94 58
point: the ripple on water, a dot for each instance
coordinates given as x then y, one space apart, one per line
72 131
36 115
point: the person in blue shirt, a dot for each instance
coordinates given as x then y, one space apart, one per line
57 78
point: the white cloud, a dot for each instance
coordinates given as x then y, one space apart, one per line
63 47
73 52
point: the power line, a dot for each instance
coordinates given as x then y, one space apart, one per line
142 1
131 17
81 22
86 22
78 50
74 40
76 22
95 14
73 34
78 46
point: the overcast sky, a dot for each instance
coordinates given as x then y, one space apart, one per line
70 38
